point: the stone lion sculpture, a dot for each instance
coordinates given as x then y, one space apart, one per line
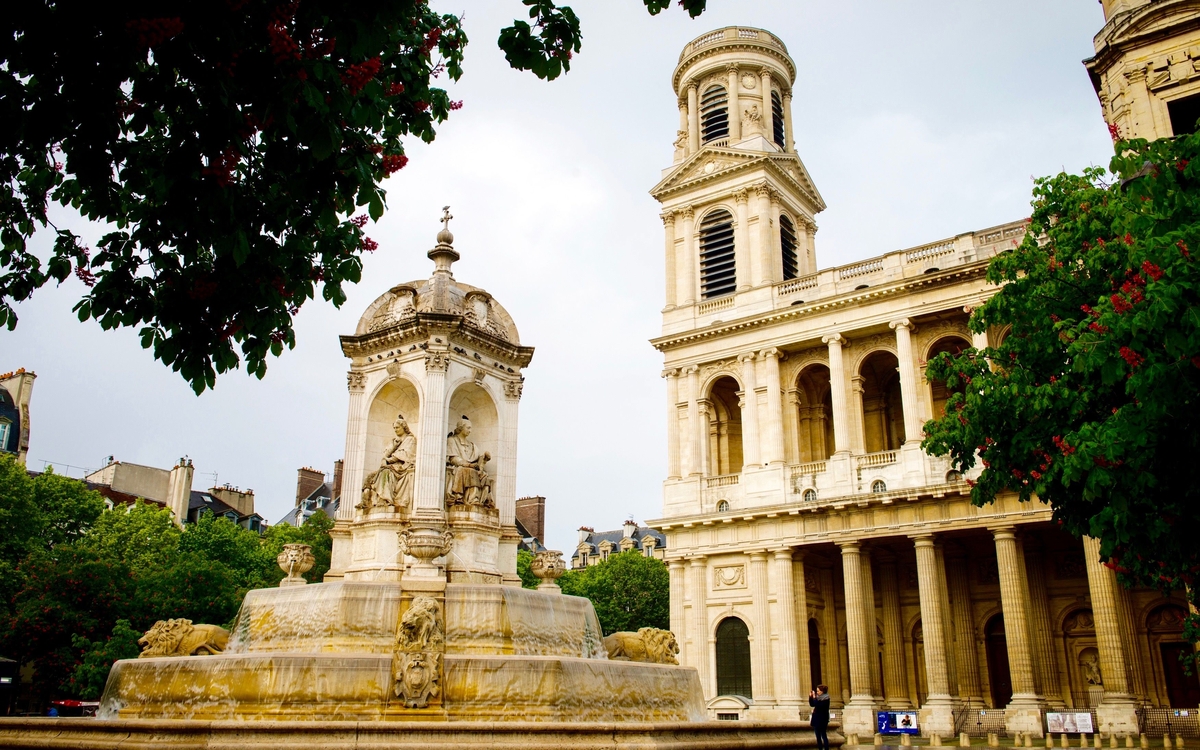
420 627
182 638
650 645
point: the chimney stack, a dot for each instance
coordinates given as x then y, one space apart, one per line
531 513
307 480
337 481
631 527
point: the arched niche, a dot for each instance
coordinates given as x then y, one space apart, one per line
397 396
939 394
814 419
475 403
724 427
733 658
882 409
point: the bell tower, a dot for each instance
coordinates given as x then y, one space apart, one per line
738 204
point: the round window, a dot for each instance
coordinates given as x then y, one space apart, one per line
878 486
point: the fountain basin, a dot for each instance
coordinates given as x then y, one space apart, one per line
357 687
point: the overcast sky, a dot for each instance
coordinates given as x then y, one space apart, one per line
917 121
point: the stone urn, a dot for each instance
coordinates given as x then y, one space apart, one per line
548 566
425 543
296 560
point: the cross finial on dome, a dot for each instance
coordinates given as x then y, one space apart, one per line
444 254
444 236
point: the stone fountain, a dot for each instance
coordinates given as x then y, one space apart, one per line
420 635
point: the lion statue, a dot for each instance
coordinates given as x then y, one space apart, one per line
182 638
649 645
420 627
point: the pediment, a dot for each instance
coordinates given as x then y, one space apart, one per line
712 163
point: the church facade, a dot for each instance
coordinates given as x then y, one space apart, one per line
809 538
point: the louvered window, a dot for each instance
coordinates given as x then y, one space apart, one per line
717 273
787 243
714 114
777 120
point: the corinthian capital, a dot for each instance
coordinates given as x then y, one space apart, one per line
356 381
436 361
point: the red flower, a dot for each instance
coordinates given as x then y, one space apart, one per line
1181 164
85 275
1097 328
1183 249
152 32
357 76
1114 131
394 163
455 105
1151 270
395 89
1120 304
1128 239
359 221
368 244
1131 357
421 106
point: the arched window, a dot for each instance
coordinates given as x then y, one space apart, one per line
883 412
723 506
717 273
733 658
714 114
810 495
777 120
878 486
787 244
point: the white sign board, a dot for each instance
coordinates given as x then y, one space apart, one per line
1069 723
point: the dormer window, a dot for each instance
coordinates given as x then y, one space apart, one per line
718 275
714 114
787 245
5 431
777 129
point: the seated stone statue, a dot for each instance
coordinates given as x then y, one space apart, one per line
467 482
392 483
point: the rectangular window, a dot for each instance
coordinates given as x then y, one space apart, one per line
1184 114
726 717
5 427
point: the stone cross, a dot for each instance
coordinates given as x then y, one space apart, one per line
446 217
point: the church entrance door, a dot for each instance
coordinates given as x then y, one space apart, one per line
1183 690
997 662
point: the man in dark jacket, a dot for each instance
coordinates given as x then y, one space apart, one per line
819 700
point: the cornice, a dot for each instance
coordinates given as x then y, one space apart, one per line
977 269
663 191
1129 30
733 45
417 330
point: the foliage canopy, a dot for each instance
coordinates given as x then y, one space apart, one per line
628 590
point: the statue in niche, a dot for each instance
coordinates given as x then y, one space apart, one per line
751 120
392 483
467 481
1089 664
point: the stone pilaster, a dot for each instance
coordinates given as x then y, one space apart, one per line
742 242
831 662
735 108
762 662
1024 712
750 433
767 115
668 220
837 392
430 492
948 635
356 427
672 377
860 711
695 466
895 686
785 661
868 584
677 572
706 439
774 447
700 651
1117 710
685 265
937 715
964 628
763 257
693 109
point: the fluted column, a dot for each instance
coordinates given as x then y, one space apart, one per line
700 655
767 115
837 392
908 380
948 635
735 118
803 265
762 664
1012 602
742 242
831 662
964 627
694 436
676 572
774 447
668 220
684 127
868 584
785 659
672 376
686 266
1114 653
356 427
931 621
506 466
693 119
800 620
750 434
763 258
430 500
858 637
787 122
858 415
895 684
1045 663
